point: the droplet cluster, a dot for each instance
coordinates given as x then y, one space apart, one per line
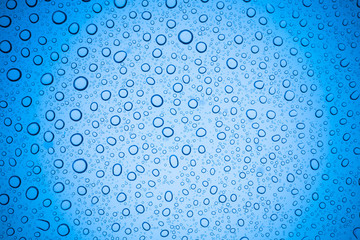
179 119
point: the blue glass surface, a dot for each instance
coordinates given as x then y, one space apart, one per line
179 119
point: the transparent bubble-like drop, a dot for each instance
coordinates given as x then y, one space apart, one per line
185 36
81 83
79 165
59 17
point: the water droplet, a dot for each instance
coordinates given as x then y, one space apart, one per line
14 74
185 36
120 3
79 165
157 100
81 83
59 17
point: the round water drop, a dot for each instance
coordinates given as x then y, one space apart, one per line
58 163
171 24
82 52
32 193
63 230
13 74
115 227
241 222
59 17
261 189
164 233
81 190
251 12
131 176
231 63
91 29
81 83
192 104
158 122
270 114
204 222
48 136
47 79
171 3
5 46
345 162
14 181
133 149
5 21
201 132
11 4
120 56
186 150
74 28
229 89
259 84
33 128
75 115
290 177
123 93
79 165
26 101
34 18
203 18
157 100
221 135
251 114
140 208
185 36
161 39
157 53
105 95
121 197
65 205
120 3
111 141
167 132
178 87
146 15
115 120
201 47
97 8
278 41
25 35
76 139
58 187
150 80
319 113
4 199
305 42
238 39
289 95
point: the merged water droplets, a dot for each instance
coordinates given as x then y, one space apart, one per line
179 119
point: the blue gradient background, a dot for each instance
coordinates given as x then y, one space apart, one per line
306 156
